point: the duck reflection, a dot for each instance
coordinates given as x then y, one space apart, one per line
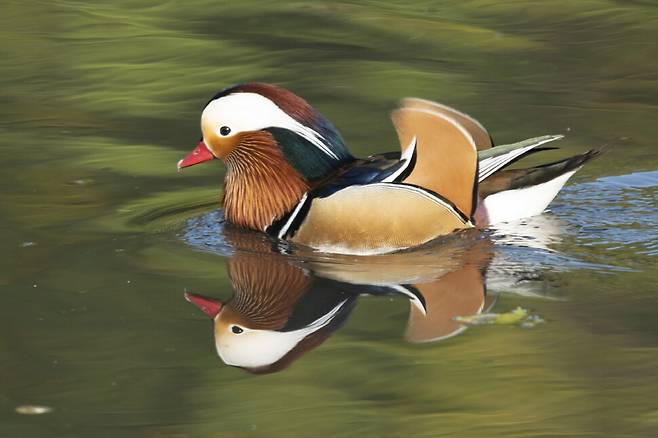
284 306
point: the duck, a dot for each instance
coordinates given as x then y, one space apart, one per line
290 174
283 307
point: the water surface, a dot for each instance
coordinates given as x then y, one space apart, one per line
101 237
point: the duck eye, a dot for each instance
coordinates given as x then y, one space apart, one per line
237 330
225 130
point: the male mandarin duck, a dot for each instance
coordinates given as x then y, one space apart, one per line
289 173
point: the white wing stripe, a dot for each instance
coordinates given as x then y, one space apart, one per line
411 296
490 165
408 154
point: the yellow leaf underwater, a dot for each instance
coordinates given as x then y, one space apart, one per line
518 316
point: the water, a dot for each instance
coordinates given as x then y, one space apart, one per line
101 237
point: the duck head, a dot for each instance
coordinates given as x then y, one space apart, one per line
275 316
274 146
246 344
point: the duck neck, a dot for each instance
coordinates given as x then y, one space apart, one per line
260 185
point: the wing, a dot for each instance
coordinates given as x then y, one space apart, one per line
480 135
445 155
373 169
494 159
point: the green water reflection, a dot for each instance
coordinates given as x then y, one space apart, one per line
99 101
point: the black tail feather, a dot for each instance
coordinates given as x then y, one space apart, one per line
519 178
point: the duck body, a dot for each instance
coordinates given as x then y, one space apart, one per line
289 173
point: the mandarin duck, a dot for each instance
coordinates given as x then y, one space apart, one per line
290 174
283 307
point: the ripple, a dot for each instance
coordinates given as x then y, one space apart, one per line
616 212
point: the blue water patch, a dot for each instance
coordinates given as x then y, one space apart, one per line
616 212
206 233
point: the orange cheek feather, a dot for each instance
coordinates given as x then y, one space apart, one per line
220 146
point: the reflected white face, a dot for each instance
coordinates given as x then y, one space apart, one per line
241 346
225 118
256 348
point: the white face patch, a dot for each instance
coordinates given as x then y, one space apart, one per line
248 112
257 348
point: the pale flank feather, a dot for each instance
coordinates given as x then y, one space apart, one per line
377 218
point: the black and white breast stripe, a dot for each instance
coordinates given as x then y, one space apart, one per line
286 226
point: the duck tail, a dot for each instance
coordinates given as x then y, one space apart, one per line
509 195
